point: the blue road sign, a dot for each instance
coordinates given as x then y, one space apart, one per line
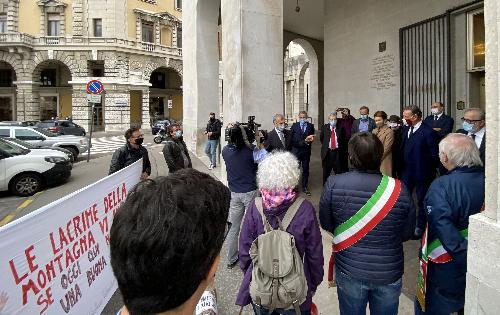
95 87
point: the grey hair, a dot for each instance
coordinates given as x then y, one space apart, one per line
332 114
461 150
279 170
479 111
277 116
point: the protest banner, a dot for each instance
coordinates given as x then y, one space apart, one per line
55 260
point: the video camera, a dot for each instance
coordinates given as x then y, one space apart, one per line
245 133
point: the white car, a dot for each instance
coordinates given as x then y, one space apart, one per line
44 138
25 172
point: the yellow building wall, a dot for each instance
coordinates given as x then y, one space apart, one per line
177 107
29 17
161 6
69 17
135 107
166 36
65 103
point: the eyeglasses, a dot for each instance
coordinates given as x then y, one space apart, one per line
471 121
226 231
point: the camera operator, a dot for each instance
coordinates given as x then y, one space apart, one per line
241 157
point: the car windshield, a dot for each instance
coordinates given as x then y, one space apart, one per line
45 124
45 132
12 148
21 143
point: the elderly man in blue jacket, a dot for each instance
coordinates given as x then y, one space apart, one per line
450 201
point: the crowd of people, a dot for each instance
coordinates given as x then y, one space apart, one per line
394 179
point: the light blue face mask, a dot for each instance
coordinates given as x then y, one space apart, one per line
280 127
333 123
467 126
178 133
364 117
302 121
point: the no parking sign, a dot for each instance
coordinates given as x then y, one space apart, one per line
95 87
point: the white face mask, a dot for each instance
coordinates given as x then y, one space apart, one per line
435 111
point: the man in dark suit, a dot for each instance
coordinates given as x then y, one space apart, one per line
420 160
364 122
302 138
279 138
474 125
439 121
333 148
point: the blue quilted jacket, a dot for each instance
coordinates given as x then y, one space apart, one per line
378 257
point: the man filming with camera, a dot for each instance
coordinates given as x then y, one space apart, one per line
241 157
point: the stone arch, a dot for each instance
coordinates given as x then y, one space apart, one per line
173 64
14 61
313 65
59 56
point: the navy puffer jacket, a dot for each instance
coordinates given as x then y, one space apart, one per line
378 257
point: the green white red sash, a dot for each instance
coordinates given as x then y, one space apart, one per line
435 253
365 220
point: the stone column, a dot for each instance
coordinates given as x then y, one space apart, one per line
483 271
146 118
78 18
201 69
27 102
116 118
252 55
81 111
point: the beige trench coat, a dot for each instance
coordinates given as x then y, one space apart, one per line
386 135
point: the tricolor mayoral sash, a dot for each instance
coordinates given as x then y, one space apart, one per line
434 252
365 220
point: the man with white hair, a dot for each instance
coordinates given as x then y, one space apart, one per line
450 201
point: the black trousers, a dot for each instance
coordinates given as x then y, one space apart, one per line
304 160
332 161
421 187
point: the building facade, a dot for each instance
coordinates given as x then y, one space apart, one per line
50 49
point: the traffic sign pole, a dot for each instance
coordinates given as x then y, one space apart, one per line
91 130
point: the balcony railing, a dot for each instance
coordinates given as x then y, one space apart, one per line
17 38
25 39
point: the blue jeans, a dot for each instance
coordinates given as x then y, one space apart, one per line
264 311
211 151
355 294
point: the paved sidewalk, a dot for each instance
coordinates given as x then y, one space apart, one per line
228 281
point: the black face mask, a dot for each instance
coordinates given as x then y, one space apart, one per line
139 141
212 118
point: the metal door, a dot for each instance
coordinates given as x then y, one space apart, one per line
425 63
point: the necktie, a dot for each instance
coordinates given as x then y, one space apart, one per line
282 138
333 143
411 132
473 136
436 117
303 128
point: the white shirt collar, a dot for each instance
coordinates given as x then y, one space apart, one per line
439 116
481 132
416 126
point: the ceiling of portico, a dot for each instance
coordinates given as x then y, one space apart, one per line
308 22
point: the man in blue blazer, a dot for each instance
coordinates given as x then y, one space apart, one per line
420 160
439 121
364 123
302 138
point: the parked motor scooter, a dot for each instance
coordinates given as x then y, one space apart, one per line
160 136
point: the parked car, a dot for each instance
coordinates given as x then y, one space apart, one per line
25 172
11 123
44 138
29 146
30 123
159 125
62 127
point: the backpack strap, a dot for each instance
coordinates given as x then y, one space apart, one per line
291 212
258 205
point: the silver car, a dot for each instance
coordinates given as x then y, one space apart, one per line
40 137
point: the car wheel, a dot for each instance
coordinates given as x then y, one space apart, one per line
26 184
158 139
73 151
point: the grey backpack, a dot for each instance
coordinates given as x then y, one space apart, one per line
278 279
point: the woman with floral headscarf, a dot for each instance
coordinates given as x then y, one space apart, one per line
277 177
